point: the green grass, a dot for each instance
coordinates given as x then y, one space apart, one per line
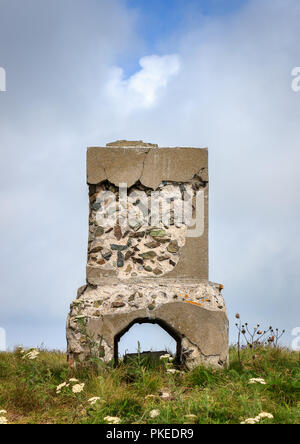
28 390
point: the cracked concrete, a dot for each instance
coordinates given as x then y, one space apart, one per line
151 166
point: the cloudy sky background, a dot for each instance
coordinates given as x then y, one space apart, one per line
211 74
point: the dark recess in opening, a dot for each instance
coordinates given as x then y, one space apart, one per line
173 333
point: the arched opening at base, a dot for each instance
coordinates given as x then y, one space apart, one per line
173 334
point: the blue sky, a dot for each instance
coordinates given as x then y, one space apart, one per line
163 21
213 74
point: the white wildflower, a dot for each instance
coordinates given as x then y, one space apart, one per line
33 354
3 412
264 415
165 396
78 388
112 419
21 350
257 381
154 413
3 420
166 356
93 400
250 421
60 386
172 371
73 380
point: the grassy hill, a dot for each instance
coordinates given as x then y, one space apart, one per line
131 392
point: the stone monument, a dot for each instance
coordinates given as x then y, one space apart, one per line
148 255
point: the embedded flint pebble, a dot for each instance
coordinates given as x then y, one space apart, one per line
96 206
99 231
152 244
120 262
148 255
158 233
117 232
101 261
118 247
106 254
95 247
128 254
137 235
173 247
162 240
163 258
137 260
117 304
172 263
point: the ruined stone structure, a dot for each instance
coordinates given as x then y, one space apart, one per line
148 255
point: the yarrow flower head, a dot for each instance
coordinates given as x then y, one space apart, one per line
166 356
257 381
173 371
61 386
94 400
258 418
3 420
250 421
32 354
154 413
78 388
264 415
165 396
112 419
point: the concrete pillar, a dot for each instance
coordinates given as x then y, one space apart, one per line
148 254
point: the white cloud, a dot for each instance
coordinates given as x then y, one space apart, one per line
143 89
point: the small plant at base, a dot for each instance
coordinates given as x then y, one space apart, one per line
256 337
96 348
